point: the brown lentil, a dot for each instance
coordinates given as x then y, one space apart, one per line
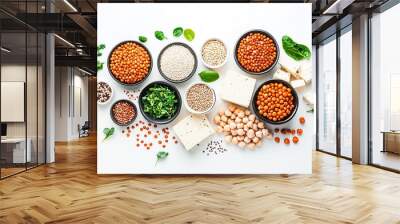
256 52
123 113
130 63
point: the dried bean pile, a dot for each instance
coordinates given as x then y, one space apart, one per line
103 92
240 127
256 52
130 63
123 112
149 135
200 97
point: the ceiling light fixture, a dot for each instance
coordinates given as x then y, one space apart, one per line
64 40
84 71
5 50
70 5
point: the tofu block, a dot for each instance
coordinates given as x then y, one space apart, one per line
292 70
192 130
305 72
279 74
309 99
298 85
237 88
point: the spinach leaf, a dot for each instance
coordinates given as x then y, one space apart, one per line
101 47
177 31
161 155
209 75
189 34
159 35
160 102
100 65
108 132
142 39
294 50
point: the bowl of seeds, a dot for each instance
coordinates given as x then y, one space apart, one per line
130 63
104 93
177 62
214 53
199 98
123 112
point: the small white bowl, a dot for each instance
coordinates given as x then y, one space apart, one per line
111 94
187 105
214 66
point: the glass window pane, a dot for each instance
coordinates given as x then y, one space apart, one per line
385 84
327 96
346 93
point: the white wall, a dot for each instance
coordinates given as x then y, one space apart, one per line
69 82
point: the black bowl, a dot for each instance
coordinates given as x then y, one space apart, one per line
270 67
295 99
194 67
112 114
119 81
155 120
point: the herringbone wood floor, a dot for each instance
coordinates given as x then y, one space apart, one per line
70 191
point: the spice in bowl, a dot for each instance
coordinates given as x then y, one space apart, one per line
123 112
256 52
104 92
130 63
275 101
214 53
200 98
177 62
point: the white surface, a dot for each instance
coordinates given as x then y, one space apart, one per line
12 101
120 22
19 149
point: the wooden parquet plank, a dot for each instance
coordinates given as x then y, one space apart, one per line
70 191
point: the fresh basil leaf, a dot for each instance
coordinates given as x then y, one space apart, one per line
209 75
294 50
100 65
161 155
108 132
142 39
177 32
189 34
159 35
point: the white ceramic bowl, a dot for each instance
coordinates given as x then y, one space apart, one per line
214 66
111 94
187 105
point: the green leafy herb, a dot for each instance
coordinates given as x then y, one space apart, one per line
100 65
159 35
310 110
189 34
177 32
108 132
209 75
101 47
143 39
294 50
161 155
160 102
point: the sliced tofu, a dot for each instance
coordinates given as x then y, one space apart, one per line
305 72
279 74
291 70
192 130
309 98
237 88
298 85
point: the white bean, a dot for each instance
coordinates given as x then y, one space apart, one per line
260 125
241 114
228 113
238 120
234 132
240 125
247 140
251 146
252 117
217 119
247 112
240 132
256 140
227 128
242 144
224 118
235 140
232 125
250 133
259 134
